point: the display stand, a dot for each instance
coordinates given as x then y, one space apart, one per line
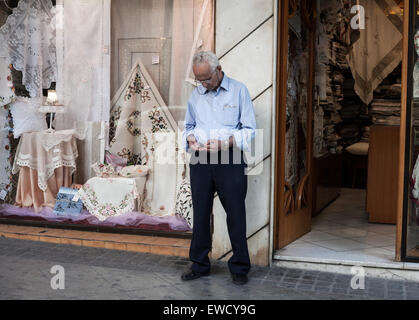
51 109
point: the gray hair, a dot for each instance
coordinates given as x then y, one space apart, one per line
206 56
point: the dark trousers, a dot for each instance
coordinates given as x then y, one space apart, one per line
230 182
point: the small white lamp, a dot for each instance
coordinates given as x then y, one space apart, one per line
51 106
52 99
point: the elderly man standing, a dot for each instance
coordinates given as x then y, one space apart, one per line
219 125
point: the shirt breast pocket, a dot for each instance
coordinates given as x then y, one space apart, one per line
230 115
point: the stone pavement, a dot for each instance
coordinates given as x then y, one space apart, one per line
95 273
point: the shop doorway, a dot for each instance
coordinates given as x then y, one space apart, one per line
350 143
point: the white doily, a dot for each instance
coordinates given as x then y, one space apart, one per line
50 140
108 197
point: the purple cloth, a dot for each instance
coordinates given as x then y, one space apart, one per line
131 219
115 160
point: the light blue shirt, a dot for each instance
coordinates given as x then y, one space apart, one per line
220 114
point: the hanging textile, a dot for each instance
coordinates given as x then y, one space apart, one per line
28 39
83 61
414 182
6 84
379 49
143 131
193 31
416 69
6 96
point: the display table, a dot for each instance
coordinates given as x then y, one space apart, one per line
45 162
110 197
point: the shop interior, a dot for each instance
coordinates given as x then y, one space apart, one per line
355 134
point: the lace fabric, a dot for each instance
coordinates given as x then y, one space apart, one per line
26 117
50 140
32 153
28 39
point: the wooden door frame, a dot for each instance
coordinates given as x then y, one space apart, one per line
402 143
280 105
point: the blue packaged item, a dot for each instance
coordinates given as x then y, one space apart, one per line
64 204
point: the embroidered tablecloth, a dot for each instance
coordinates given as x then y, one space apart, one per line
110 197
46 151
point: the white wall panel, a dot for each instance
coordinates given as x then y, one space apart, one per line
263 111
244 43
257 209
238 18
250 61
258 251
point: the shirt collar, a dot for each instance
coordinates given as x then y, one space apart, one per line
225 84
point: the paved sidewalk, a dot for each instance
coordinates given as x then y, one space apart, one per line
95 273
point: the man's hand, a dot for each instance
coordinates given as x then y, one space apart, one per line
193 143
214 145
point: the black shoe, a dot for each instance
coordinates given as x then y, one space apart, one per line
192 275
239 279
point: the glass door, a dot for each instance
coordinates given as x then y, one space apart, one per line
410 228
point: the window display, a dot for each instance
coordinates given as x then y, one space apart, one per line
122 66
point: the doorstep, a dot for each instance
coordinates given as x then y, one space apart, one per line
392 270
138 243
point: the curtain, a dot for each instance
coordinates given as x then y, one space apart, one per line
193 30
83 61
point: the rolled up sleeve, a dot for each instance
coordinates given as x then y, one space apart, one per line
190 124
246 133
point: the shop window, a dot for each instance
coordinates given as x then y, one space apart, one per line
125 65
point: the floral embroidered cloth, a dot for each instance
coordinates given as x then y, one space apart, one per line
45 152
108 197
143 131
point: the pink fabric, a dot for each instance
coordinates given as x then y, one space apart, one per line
45 152
115 160
29 194
135 220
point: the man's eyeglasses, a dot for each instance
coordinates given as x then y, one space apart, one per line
207 81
